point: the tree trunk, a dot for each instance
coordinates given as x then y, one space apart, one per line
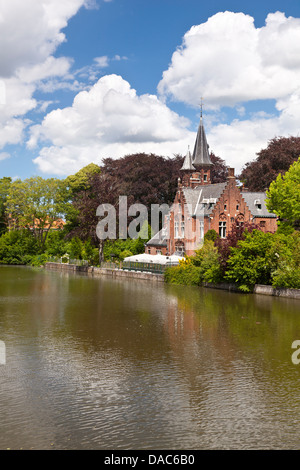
101 257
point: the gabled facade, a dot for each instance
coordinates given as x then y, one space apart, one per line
200 205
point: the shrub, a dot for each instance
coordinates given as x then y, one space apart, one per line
211 235
286 276
18 247
188 275
204 266
207 259
125 254
255 258
287 273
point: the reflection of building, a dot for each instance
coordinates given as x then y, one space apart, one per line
200 205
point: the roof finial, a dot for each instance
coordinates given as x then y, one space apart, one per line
201 106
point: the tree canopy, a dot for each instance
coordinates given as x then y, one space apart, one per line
276 159
36 204
219 170
4 189
284 196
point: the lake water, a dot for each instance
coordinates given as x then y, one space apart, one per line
95 363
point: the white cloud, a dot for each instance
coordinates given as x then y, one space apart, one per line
4 155
231 62
12 132
228 61
51 67
30 32
102 61
239 141
2 93
108 120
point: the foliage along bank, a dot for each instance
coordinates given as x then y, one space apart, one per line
257 258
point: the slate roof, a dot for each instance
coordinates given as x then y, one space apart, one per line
187 164
210 193
194 197
253 199
201 154
158 239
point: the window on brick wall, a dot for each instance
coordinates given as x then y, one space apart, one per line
176 229
182 229
201 229
222 229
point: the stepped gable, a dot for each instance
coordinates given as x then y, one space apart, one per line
256 202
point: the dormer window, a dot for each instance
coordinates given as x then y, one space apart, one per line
257 203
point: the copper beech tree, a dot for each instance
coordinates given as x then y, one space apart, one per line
270 162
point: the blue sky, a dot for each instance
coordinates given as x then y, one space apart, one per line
82 80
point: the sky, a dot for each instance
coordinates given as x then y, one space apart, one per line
83 80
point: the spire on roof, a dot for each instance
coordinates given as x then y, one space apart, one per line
187 164
201 154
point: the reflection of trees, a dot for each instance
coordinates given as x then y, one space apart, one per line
189 355
228 328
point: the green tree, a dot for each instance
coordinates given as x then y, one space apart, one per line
283 197
77 186
207 259
36 204
18 247
81 180
204 266
287 273
4 189
255 258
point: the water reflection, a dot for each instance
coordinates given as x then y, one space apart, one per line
101 364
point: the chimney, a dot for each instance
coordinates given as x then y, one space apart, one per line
231 173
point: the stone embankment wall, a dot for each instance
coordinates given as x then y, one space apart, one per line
119 273
260 289
114 273
278 292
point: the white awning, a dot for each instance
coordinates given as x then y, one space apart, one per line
155 259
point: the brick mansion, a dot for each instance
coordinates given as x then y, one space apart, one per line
201 205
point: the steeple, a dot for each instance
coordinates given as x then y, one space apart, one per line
201 156
187 164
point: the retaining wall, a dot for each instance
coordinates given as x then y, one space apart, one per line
114 273
278 292
120 273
